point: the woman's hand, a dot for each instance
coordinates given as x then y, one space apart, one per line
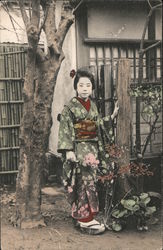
70 156
115 112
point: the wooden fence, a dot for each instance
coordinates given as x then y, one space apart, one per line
12 71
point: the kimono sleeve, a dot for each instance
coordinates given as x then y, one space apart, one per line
66 133
106 137
106 124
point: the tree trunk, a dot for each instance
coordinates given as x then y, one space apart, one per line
35 130
28 197
40 80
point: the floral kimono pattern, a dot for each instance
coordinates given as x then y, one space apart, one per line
79 179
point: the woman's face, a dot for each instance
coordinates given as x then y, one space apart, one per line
84 88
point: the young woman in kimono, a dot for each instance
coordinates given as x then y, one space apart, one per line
80 142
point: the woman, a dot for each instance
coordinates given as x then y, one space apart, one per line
80 142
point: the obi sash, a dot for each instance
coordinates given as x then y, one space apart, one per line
85 129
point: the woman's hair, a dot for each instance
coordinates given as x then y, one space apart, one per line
83 73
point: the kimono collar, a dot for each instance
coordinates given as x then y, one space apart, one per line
86 104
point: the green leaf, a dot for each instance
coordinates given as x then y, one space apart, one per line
136 208
145 109
116 213
135 198
145 201
128 204
119 214
150 210
116 227
143 196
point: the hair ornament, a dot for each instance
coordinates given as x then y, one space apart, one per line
72 73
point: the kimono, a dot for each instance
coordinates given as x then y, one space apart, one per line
81 132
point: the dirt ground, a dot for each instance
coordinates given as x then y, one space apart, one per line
60 234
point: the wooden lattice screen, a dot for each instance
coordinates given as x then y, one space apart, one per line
103 61
12 70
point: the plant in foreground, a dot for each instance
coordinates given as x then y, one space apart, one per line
133 206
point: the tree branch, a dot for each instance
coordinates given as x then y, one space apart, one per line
11 19
5 6
149 3
56 37
150 47
23 12
35 19
49 24
30 14
77 6
146 24
145 28
46 11
66 21
150 134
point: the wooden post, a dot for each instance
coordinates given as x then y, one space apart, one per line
108 89
123 121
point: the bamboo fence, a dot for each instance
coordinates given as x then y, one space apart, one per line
12 71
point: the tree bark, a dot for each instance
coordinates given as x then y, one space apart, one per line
27 195
36 124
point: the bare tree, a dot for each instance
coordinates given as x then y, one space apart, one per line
40 80
141 151
142 51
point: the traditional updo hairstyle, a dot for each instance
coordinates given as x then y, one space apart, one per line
83 73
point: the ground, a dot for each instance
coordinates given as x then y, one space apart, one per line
60 234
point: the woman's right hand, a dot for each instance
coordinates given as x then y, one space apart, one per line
70 156
116 109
